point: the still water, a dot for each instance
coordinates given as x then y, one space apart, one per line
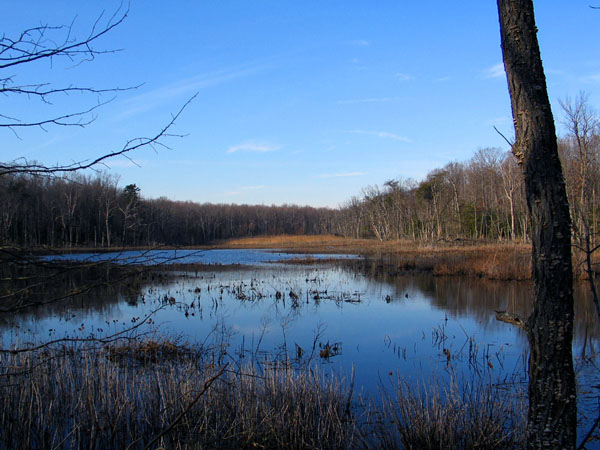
213 257
347 315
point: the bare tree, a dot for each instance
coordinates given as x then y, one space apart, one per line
51 44
511 186
583 129
552 417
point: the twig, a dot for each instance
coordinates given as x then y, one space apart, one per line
130 145
504 137
103 340
207 385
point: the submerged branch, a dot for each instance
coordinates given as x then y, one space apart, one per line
513 319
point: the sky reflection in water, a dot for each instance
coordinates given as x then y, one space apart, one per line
383 325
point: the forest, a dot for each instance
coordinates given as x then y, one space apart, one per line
479 199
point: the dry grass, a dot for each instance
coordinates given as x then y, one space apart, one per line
499 261
149 352
451 416
74 399
493 260
84 400
303 243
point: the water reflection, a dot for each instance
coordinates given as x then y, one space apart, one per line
345 314
210 257
479 298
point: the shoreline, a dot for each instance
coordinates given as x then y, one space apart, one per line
482 259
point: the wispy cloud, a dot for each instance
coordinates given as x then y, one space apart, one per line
342 175
381 134
369 100
245 189
185 87
359 42
253 146
594 78
442 79
496 71
403 76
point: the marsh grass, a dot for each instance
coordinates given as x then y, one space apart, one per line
452 415
92 399
485 259
497 261
162 393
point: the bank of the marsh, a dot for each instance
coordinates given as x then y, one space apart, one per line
493 260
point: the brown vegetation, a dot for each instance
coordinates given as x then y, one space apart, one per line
449 416
65 398
496 261
493 260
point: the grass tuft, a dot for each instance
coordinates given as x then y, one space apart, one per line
453 415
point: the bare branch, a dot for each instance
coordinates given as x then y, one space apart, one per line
504 137
34 44
130 145
37 90
120 335
71 119
207 385
49 43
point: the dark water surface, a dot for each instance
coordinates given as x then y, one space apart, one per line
348 315
213 257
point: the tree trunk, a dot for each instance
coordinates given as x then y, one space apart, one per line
552 419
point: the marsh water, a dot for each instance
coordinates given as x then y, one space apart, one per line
347 315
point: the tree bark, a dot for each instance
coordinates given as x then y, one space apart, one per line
552 418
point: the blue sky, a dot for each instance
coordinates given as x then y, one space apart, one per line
299 102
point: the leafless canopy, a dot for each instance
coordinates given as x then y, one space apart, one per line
53 44
22 166
50 44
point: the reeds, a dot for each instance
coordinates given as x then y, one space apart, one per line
94 399
452 415
167 394
497 261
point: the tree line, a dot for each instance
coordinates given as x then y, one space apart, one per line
482 198
78 210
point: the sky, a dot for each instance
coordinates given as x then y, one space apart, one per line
298 102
